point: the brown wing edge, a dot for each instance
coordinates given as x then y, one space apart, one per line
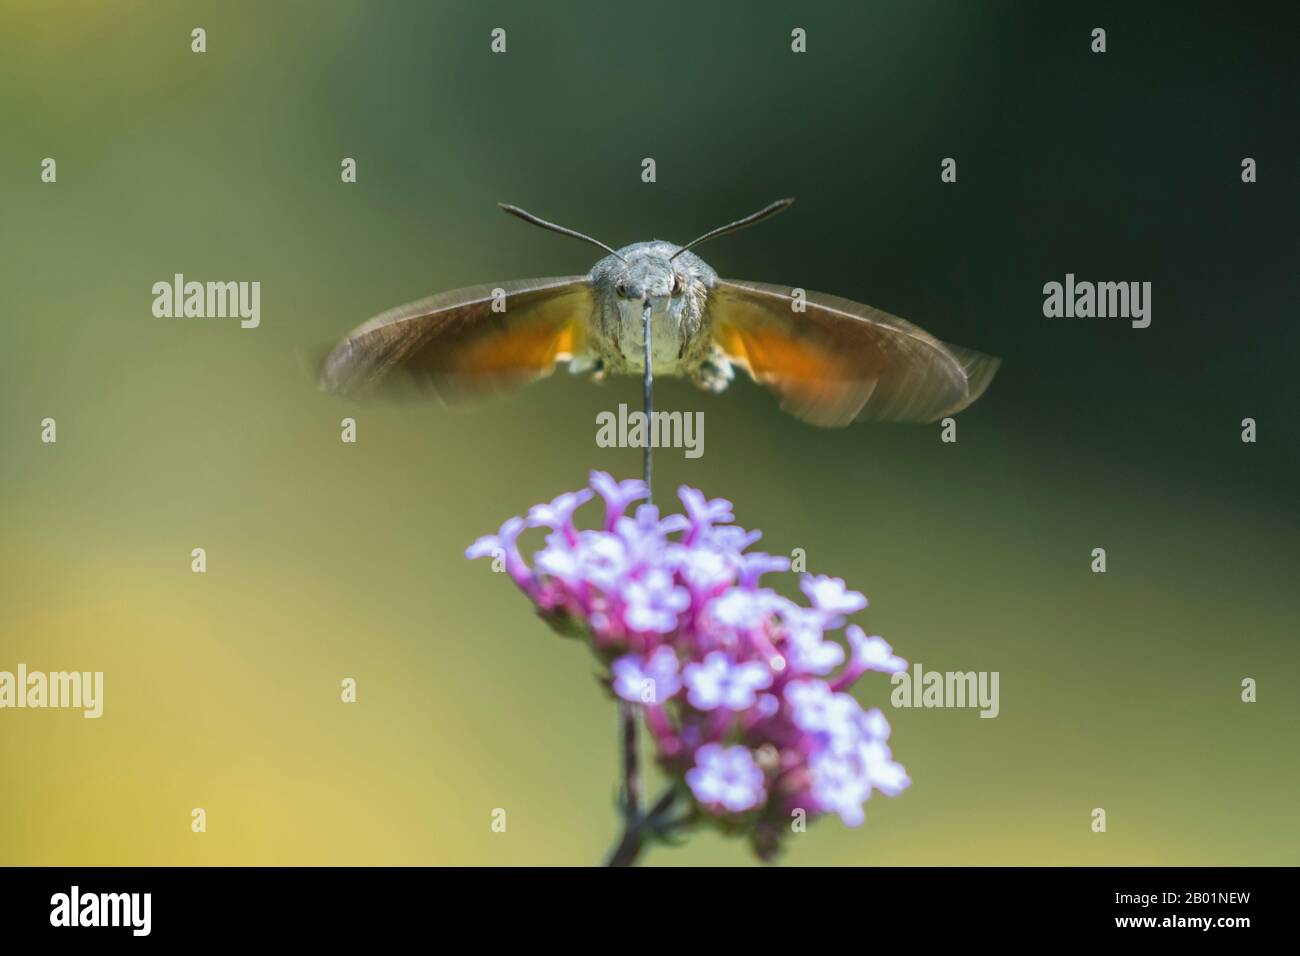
979 369
453 344
839 396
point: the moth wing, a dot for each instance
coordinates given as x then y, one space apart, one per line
455 345
839 361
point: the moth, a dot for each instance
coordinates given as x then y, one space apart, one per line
830 360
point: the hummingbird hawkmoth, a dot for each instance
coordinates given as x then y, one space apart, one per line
831 360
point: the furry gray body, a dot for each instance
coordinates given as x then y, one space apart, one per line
678 292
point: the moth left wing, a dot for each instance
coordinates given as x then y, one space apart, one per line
457 346
838 361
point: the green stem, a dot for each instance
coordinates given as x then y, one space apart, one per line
636 830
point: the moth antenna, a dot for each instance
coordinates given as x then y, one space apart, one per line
537 221
779 206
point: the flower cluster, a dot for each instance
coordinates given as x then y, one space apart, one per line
741 688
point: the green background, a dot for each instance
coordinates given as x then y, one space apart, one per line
327 560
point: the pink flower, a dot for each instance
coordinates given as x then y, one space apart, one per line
670 604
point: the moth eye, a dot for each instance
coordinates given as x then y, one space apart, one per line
678 284
621 289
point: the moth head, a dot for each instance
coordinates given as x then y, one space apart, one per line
649 275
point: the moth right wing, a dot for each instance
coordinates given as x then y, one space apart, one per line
838 361
456 346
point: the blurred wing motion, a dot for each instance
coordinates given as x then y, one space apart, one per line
456 345
840 361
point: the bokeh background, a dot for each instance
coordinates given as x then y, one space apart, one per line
328 560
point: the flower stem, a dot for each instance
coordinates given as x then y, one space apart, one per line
634 833
631 770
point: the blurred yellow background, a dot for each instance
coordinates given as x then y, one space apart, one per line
328 560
